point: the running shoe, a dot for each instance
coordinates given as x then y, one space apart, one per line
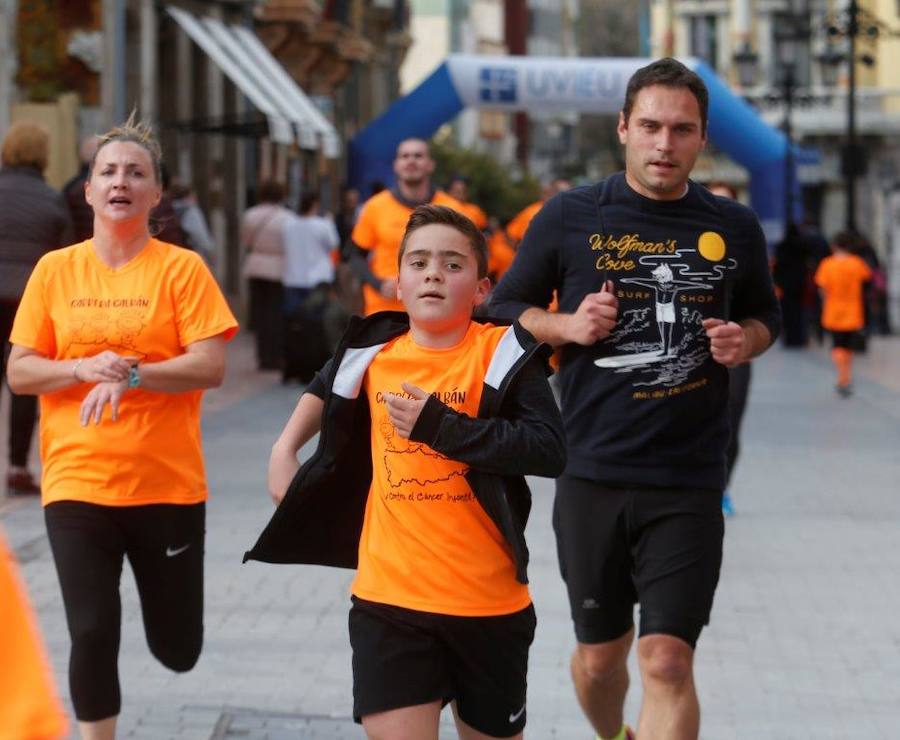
727 505
20 483
844 391
629 734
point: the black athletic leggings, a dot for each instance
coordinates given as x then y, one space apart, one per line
164 544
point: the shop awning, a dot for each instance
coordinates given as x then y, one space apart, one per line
243 58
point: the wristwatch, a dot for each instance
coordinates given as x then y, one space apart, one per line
134 377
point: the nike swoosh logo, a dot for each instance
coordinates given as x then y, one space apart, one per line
171 552
514 717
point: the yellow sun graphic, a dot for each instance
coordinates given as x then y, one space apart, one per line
711 246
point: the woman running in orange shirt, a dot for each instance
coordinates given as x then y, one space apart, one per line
119 335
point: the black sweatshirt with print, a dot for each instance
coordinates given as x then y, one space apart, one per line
647 406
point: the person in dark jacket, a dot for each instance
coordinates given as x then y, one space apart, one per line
73 191
429 421
33 220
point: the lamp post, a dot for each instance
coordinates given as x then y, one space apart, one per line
851 23
792 31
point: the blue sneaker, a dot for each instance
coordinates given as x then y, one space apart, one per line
727 506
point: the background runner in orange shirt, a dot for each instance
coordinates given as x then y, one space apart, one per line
458 188
381 223
840 278
29 706
119 335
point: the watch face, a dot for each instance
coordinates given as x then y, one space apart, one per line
134 378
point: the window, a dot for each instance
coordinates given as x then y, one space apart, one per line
703 38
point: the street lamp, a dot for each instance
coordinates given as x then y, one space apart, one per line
792 32
850 24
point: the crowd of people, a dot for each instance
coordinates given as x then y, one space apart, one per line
651 292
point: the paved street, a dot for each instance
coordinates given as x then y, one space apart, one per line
804 642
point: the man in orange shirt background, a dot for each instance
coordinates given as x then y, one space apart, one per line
382 221
840 277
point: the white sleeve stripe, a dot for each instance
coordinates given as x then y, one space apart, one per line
507 354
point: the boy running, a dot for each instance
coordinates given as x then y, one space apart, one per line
429 420
840 278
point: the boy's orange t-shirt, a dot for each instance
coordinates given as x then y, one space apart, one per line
29 705
380 230
841 279
151 309
427 544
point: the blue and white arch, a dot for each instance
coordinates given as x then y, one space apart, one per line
584 85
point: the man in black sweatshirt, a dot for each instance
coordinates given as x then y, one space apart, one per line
662 287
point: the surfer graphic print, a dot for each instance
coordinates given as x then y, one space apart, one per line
664 292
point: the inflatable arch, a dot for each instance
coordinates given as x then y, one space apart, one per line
583 85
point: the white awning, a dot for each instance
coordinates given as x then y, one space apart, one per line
243 58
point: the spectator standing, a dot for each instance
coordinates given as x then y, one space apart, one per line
310 246
34 219
262 237
79 209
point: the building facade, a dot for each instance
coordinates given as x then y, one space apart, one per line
239 90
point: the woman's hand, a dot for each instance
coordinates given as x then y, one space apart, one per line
97 399
105 367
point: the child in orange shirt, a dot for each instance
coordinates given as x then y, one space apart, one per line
841 278
429 422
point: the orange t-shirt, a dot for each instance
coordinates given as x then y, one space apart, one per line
841 279
475 214
29 706
500 254
151 308
380 229
519 225
427 544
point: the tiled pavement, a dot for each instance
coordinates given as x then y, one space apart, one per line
804 643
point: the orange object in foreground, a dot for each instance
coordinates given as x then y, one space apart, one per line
29 706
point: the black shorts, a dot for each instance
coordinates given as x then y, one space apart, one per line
617 546
844 339
403 658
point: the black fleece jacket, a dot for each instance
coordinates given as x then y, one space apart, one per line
517 432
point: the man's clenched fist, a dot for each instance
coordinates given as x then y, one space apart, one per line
595 317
